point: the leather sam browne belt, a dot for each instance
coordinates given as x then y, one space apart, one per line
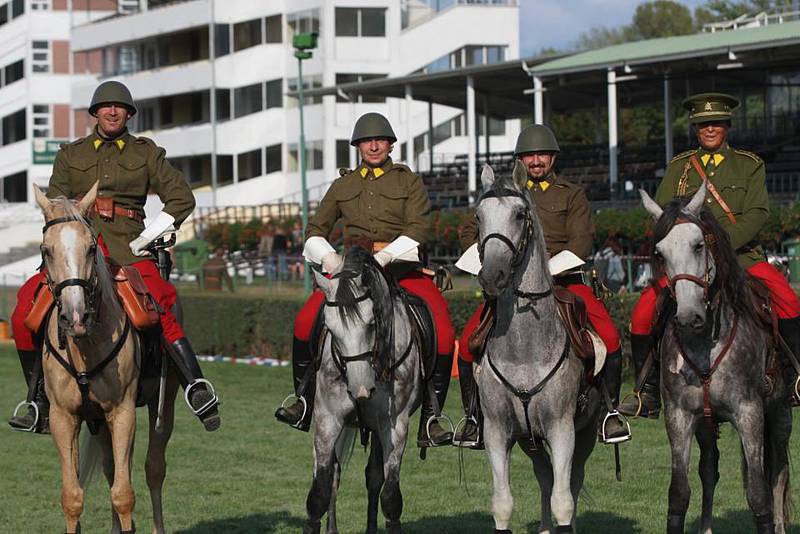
106 208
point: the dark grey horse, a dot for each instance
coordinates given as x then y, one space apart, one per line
714 356
369 377
529 378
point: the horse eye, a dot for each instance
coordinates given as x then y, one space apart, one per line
477 217
520 215
45 251
698 247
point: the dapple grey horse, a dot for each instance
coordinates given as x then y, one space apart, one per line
714 356
370 377
530 378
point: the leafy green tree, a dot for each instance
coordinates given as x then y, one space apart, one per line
661 18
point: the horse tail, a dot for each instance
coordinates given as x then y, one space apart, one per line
345 445
90 458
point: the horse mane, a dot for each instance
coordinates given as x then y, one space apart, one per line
104 279
505 182
382 289
730 278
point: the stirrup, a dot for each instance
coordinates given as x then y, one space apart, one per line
638 396
305 408
31 428
435 418
797 389
626 425
462 423
207 406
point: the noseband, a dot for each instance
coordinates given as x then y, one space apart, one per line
89 286
705 281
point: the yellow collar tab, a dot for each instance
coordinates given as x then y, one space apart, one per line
544 184
119 142
377 172
717 159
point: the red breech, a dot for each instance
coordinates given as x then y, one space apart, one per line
782 298
598 316
415 283
162 291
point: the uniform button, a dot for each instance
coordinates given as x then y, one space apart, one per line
369 207
709 201
374 230
107 160
105 176
711 173
371 193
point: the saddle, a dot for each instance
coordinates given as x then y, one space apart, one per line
136 300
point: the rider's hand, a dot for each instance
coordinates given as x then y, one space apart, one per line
383 258
330 262
138 246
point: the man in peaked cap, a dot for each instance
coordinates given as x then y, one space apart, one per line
382 205
126 168
566 218
738 200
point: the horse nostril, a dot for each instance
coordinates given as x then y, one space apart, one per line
85 318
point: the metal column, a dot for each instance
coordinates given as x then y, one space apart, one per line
669 151
612 130
409 155
471 129
538 100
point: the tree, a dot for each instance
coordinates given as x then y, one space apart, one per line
720 10
661 18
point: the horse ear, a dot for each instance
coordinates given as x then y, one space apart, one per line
520 175
88 200
696 204
42 200
650 205
487 176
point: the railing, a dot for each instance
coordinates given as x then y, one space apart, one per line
207 216
752 21
414 12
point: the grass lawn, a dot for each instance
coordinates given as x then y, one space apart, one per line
252 476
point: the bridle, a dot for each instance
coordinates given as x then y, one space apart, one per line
706 281
89 285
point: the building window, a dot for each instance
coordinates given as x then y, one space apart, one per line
41 56
223 97
17 8
309 82
247 100
274 158
343 153
41 120
249 164
145 118
302 22
246 34
3 14
222 40
313 156
342 78
15 187
274 29
13 128
165 108
467 55
224 169
360 22
275 93
13 72
40 5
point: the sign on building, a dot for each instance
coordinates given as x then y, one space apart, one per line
45 150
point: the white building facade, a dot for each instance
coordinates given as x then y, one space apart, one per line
212 80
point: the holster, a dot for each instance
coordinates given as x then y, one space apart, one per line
42 303
136 299
104 206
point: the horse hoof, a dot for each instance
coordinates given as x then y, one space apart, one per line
393 527
311 527
504 531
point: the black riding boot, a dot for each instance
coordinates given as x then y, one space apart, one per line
202 398
790 332
470 432
431 433
35 418
614 428
651 390
298 415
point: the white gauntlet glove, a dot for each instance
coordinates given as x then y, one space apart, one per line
401 249
163 222
318 250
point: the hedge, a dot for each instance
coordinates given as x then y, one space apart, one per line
237 325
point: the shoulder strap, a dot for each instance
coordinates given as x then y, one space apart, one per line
712 189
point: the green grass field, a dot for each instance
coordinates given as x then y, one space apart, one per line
252 476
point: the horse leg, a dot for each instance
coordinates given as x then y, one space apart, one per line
749 422
498 447
337 474
319 495
561 437
65 428
374 478
104 438
709 473
680 427
776 461
155 465
585 440
391 496
543 470
122 425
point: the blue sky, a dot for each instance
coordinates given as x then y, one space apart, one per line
558 23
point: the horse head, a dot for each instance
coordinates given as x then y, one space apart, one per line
70 256
505 225
685 244
358 314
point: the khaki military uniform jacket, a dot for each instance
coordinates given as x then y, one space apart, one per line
127 169
375 205
564 213
739 178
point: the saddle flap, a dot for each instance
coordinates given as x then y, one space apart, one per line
423 321
758 296
477 341
572 311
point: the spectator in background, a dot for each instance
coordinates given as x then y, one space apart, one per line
280 247
608 263
265 242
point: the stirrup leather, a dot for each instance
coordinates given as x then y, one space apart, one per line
305 408
22 404
462 423
433 419
624 420
207 406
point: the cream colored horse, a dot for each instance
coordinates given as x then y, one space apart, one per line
90 341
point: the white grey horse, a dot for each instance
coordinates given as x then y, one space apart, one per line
369 377
714 356
530 378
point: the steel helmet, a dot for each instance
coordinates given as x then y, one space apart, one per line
536 138
112 92
372 126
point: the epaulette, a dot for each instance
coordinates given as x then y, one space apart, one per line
683 155
344 170
144 141
750 155
401 166
76 142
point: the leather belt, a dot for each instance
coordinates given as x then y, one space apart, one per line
122 212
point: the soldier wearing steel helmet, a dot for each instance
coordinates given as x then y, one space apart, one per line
382 205
565 216
126 168
737 197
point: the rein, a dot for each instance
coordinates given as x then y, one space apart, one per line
705 281
525 395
